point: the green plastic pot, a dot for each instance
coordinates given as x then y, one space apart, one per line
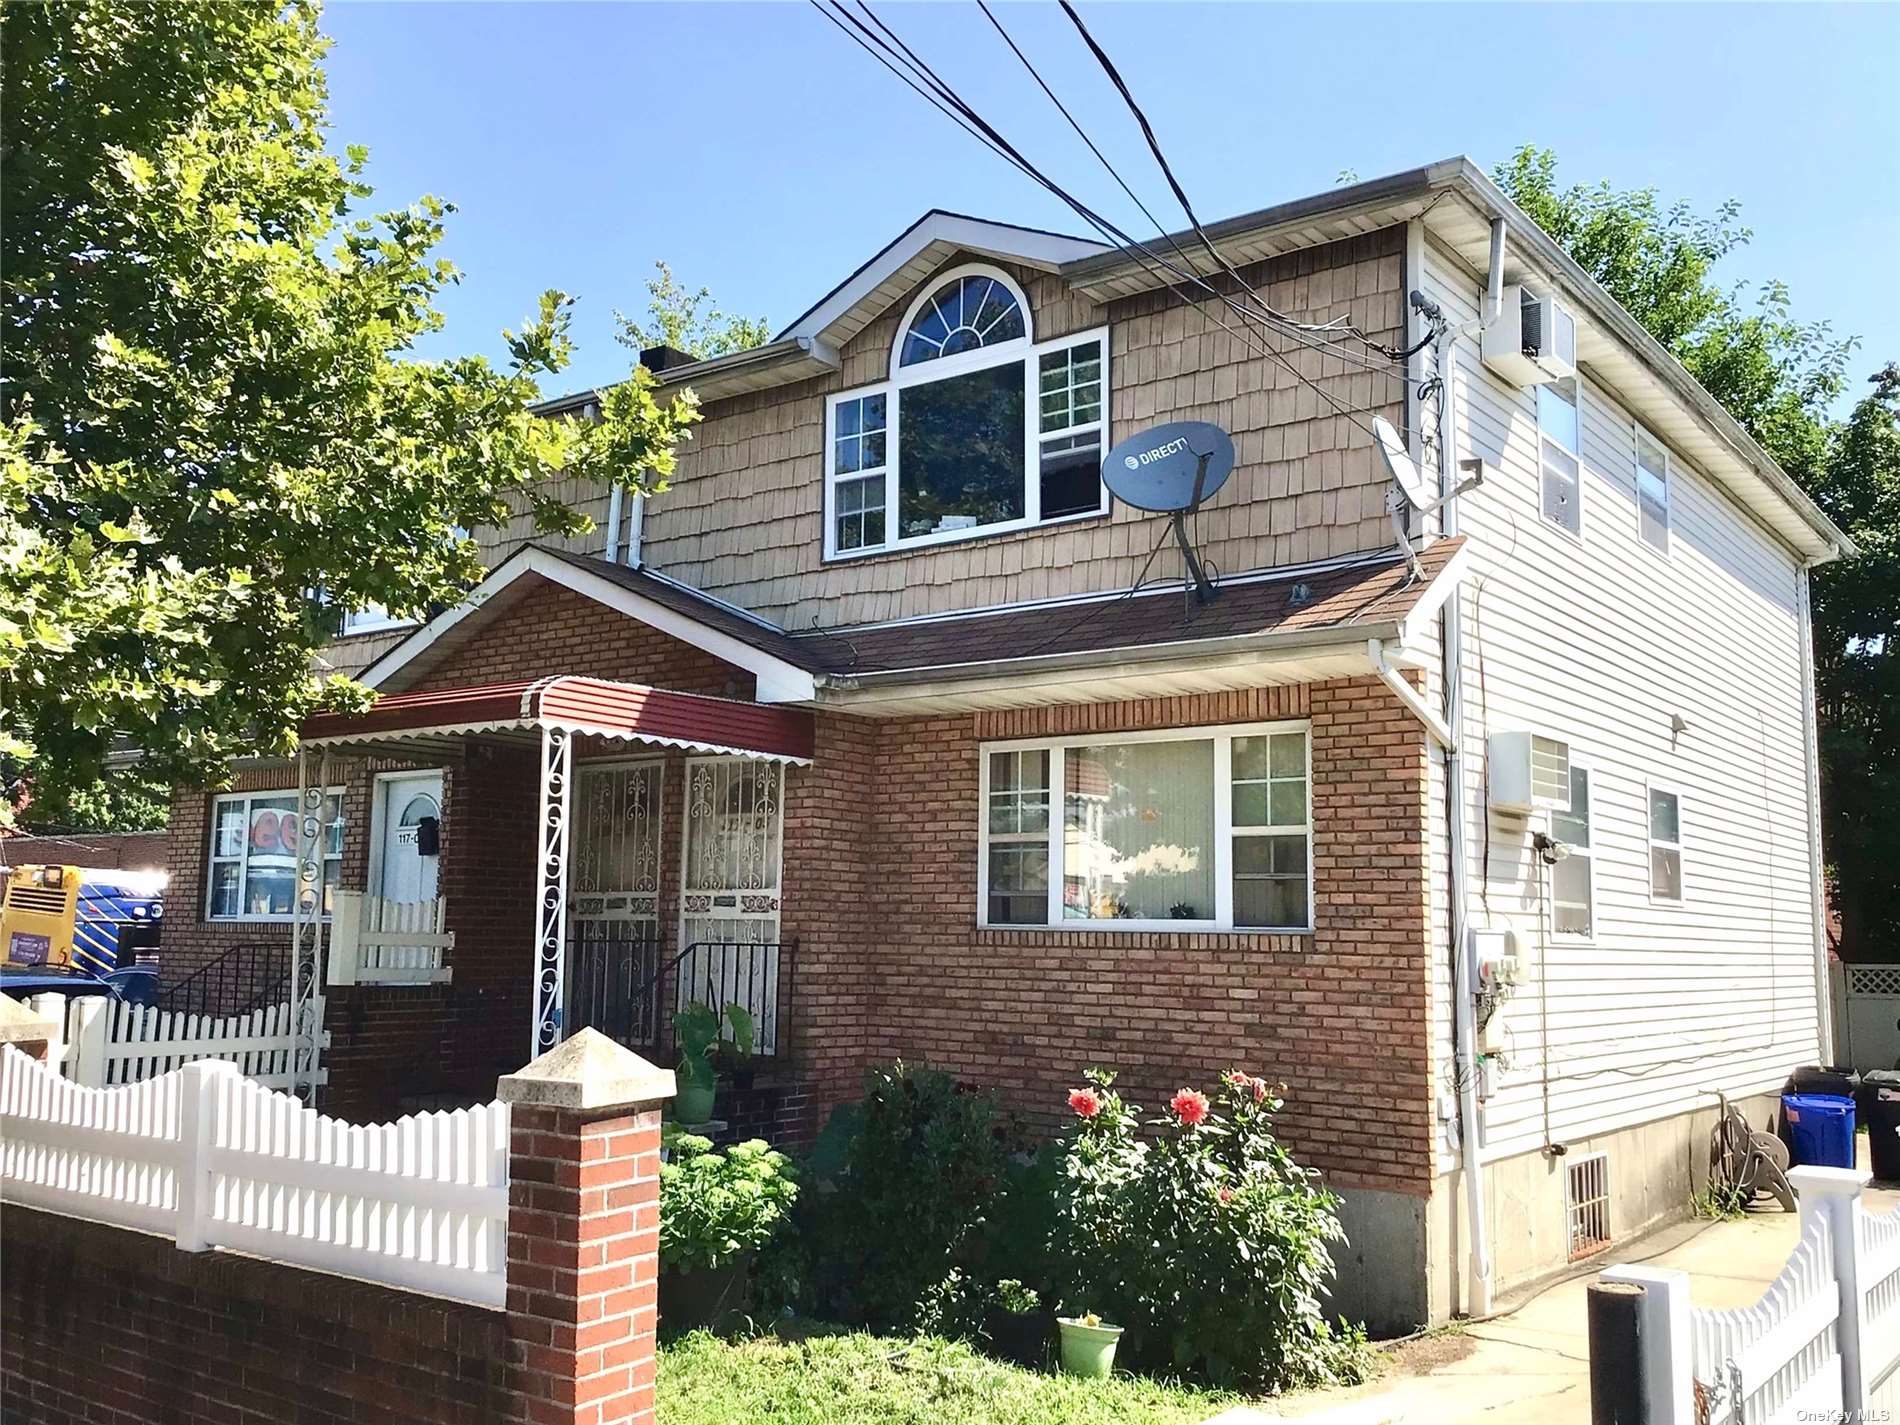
693 1102
1088 1350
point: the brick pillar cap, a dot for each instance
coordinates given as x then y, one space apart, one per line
587 1071
20 1025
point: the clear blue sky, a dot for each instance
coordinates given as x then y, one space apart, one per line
765 157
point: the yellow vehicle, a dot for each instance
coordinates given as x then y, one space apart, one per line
96 923
38 914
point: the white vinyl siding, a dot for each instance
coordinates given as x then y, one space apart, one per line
1603 644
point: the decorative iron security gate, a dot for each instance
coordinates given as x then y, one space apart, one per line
733 840
613 952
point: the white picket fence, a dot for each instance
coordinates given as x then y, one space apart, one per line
380 942
212 1159
103 1043
1822 1343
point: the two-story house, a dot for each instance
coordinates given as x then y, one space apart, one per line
889 722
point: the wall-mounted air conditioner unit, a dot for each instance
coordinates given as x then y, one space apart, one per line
1528 772
1532 340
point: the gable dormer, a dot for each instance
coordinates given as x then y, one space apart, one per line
975 428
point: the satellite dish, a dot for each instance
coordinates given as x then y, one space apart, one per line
1171 469
1409 487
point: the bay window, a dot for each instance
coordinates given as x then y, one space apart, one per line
1204 829
252 870
979 429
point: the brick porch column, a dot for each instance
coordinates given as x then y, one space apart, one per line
584 1233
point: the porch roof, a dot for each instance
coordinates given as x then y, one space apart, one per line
434 722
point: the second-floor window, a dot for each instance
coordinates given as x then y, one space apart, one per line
1652 490
979 429
1562 472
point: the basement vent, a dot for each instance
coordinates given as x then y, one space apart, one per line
1587 1201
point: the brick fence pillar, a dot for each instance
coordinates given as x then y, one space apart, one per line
584 1233
26 1030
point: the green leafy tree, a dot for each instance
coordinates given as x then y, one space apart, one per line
209 402
674 319
1780 378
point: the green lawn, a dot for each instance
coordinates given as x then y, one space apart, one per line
870 1380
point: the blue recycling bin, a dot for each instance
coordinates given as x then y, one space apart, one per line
1820 1129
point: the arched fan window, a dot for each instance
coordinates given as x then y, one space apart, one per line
978 430
962 315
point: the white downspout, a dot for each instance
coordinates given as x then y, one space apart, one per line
613 524
1817 889
1464 992
636 528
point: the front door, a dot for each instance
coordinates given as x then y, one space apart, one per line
729 897
613 945
410 812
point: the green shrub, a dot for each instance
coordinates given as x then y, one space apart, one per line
1204 1238
914 1195
715 1206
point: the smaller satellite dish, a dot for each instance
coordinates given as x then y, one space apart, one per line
1409 487
1399 464
1170 467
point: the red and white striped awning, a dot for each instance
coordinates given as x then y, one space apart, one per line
434 723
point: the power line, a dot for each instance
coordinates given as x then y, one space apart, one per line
1381 368
941 94
1167 170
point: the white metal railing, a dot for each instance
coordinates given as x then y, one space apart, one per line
1822 1343
103 1043
381 942
213 1159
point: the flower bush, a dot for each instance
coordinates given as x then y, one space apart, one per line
1203 1238
715 1207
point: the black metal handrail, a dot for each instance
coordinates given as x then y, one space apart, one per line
244 978
756 975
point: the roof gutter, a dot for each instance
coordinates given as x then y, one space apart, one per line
1388 674
1346 639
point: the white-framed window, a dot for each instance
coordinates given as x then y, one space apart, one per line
1559 445
978 430
1652 490
1665 845
373 618
1573 879
251 873
1188 829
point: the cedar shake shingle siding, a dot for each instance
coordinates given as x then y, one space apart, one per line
744 517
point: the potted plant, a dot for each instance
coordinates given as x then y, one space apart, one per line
698 1032
1088 1345
1017 1328
717 1208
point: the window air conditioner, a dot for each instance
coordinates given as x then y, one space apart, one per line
1532 341
1528 773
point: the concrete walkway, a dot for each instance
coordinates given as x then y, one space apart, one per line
1534 1363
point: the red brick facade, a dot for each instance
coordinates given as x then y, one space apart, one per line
880 892
103 1324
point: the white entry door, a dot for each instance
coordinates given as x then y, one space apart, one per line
404 802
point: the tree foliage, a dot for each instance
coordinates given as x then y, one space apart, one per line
1780 378
209 401
674 319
